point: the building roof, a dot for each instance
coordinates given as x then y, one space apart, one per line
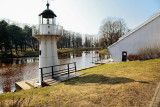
137 28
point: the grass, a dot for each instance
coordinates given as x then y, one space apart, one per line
31 53
104 51
67 50
121 84
28 53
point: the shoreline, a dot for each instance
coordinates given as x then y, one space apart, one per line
60 51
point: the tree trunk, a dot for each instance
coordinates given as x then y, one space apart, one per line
16 48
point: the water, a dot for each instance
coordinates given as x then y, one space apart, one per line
20 69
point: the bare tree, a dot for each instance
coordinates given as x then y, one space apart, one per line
111 30
70 39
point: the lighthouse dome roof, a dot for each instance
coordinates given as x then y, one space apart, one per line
48 13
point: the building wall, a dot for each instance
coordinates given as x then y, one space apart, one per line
145 36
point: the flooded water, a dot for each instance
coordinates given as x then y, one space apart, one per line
14 70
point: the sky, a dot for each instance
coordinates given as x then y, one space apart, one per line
83 16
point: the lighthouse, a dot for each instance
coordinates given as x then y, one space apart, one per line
47 33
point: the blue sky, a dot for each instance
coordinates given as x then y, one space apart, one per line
84 16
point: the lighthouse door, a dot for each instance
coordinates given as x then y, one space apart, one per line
124 56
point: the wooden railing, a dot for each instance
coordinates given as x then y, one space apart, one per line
59 72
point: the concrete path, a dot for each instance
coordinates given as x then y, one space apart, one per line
156 98
22 85
32 82
104 61
25 85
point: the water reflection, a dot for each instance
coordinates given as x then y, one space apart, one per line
70 55
15 61
11 73
20 69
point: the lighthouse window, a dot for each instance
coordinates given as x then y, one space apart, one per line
48 32
48 26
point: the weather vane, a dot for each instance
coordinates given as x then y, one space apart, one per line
47 3
47 0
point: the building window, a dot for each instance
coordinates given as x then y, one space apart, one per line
48 26
48 32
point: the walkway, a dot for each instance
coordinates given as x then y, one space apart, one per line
156 98
28 84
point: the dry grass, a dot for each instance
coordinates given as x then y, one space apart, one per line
121 85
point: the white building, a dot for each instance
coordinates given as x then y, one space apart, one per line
47 32
147 34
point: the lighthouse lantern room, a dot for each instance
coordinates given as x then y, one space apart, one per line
47 32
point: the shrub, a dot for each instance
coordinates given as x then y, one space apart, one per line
133 57
145 53
149 52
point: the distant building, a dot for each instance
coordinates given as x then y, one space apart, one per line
145 35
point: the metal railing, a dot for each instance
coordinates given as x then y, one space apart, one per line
36 30
54 74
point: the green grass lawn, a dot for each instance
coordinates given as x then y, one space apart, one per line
104 51
120 84
32 53
67 50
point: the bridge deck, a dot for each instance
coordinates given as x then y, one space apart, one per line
62 78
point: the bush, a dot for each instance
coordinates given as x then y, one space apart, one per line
150 52
146 53
133 57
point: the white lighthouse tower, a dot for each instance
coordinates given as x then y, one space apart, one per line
47 32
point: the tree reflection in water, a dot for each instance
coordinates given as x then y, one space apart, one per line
70 55
10 73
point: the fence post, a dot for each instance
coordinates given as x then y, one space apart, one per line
68 69
75 66
52 73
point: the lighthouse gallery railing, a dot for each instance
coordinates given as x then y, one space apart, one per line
36 30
